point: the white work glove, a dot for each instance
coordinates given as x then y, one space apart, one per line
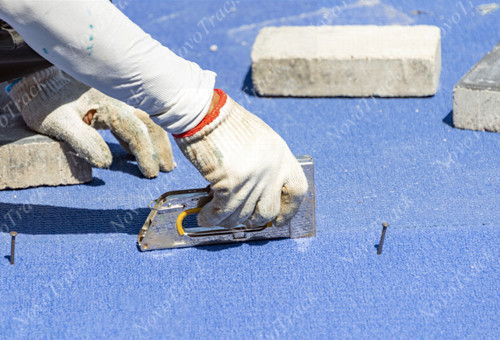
253 174
53 103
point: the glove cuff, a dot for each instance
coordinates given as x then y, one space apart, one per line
42 84
209 118
225 133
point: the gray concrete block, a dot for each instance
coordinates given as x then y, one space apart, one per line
353 61
476 97
29 159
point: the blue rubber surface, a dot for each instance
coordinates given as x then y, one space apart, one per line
79 274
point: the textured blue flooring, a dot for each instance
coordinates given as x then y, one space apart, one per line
79 274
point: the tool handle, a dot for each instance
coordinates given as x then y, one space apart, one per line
182 216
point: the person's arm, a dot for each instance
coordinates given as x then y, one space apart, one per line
98 45
254 175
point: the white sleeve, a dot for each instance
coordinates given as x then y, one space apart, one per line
97 44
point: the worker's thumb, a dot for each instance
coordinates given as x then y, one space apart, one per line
292 195
84 139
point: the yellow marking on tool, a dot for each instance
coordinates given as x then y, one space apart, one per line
182 216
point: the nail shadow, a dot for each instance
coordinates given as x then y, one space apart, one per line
7 257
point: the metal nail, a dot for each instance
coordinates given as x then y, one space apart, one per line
381 243
13 246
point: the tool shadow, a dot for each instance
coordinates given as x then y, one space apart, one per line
220 247
44 219
50 220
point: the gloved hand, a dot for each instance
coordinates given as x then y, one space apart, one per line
53 103
253 174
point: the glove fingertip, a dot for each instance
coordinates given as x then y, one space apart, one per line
149 172
292 196
280 221
167 167
101 159
94 150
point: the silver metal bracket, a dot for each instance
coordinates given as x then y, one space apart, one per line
172 220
